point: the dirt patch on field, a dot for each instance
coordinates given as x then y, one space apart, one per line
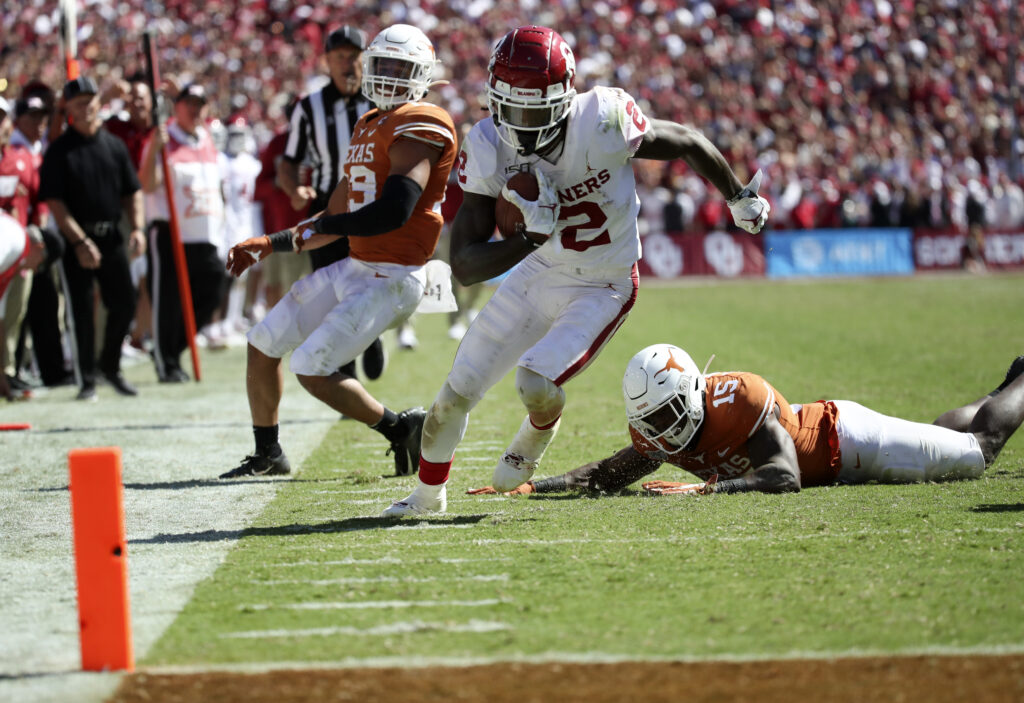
926 678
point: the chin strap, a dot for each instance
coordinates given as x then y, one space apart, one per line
707 365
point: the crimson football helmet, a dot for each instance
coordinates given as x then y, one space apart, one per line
532 72
664 393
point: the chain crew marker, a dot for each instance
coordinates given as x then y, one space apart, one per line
101 559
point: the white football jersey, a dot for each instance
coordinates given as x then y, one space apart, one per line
238 174
197 187
593 176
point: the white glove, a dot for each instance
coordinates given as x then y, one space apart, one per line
750 210
540 216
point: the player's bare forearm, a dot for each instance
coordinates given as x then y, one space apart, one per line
473 257
315 241
773 454
666 141
608 475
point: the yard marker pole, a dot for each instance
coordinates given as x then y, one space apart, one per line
101 559
69 37
180 265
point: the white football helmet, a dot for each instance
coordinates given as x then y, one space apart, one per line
398 66
532 73
664 393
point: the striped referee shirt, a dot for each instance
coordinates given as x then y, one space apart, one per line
319 133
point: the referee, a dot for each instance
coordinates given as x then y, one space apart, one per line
320 130
319 134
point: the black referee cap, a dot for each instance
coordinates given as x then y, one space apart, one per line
83 85
346 35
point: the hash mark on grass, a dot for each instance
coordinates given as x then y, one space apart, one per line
397 628
384 560
377 579
373 604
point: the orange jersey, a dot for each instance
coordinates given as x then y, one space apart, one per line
736 406
368 164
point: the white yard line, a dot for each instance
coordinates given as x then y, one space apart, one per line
484 578
414 661
372 604
351 561
398 628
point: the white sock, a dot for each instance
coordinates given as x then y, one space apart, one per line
531 443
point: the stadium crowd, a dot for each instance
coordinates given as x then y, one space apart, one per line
860 113
871 112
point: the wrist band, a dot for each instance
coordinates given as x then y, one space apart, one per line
281 241
732 485
555 484
533 244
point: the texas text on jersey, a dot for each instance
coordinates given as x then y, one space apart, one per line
367 165
737 406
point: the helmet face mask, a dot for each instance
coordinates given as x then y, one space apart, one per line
530 89
398 66
664 394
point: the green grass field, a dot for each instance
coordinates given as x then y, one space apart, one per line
829 571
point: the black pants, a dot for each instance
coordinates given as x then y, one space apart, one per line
118 296
208 280
325 256
42 321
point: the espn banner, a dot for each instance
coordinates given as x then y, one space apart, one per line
943 249
716 253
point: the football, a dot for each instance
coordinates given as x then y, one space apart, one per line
508 217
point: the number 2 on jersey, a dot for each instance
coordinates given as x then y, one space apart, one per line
595 219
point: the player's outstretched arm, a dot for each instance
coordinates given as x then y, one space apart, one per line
667 140
473 257
608 475
773 456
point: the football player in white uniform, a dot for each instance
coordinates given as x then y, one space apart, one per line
576 277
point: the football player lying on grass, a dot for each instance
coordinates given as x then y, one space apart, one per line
735 432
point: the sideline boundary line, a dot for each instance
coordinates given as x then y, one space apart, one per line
407 662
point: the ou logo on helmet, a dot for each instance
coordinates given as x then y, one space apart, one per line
567 56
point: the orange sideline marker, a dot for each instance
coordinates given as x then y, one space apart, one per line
101 559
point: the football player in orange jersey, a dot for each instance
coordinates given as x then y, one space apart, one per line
737 433
388 204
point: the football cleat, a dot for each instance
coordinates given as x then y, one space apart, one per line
259 465
1015 370
511 471
407 449
423 501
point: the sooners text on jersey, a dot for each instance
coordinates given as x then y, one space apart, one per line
736 406
367 165
593 176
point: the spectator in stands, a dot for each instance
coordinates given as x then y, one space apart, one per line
904 92
87 180
21 249
199 209
134 127
19 198
33 113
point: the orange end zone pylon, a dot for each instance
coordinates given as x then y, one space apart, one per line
101 559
